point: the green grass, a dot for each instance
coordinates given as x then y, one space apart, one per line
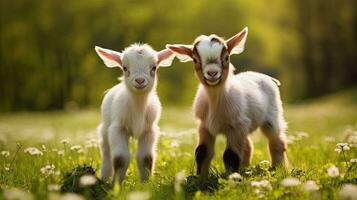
327 121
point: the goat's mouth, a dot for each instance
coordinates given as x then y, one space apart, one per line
213 81
140 87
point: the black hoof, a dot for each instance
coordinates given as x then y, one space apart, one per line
231 160
200 154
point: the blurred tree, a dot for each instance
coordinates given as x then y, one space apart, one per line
327 34
47 58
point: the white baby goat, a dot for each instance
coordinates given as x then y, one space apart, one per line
234 105
131 108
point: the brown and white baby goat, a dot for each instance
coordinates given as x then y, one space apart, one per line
234 105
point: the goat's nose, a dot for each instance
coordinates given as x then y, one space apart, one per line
140 80
212 73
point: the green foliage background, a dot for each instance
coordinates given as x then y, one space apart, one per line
48 60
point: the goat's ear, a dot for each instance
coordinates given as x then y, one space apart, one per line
165 58
183 52
109 57
236 43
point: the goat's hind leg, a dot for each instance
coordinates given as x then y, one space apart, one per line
275 132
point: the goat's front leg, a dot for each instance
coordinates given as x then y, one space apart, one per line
106 167
119 151
238 151
204 151
145 158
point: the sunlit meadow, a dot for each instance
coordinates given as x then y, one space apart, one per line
54 155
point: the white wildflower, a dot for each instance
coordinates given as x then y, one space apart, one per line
311 186
65 141
333 172
87 180
60 153
5 153
236 177
348 191
49 170
261 184
76 148
43 147
265 164
174 144
338 150
341 145
353 160
290 182
33 151
70 196
302 134
138 196
255 183
259 193
179 178
53 187
91 143
7 169
15 194
346 148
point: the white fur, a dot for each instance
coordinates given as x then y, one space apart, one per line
208 49
130 112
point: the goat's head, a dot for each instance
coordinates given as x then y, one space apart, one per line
139 64
211 55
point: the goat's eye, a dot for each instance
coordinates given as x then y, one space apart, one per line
194 60
154 68
226 59
125 69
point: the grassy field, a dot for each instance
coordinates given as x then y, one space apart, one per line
316 169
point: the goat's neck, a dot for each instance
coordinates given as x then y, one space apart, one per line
140 100
218 94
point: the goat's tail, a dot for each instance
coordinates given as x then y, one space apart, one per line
276 81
